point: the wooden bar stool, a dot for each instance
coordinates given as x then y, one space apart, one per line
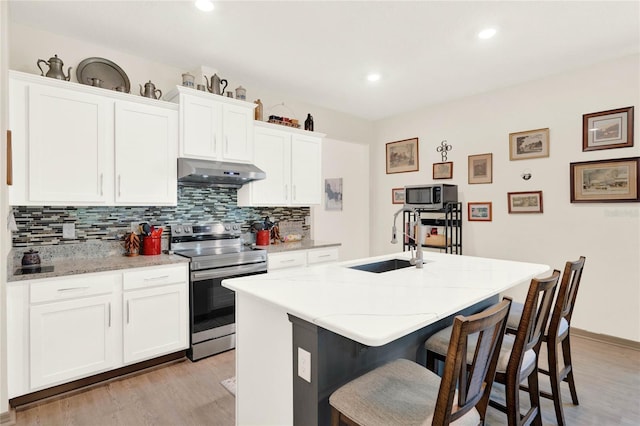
518 359
403 392
558 333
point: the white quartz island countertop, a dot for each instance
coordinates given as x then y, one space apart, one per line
377 308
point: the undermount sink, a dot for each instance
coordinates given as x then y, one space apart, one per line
383 266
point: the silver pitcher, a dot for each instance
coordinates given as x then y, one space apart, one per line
55 68
213 85
150 91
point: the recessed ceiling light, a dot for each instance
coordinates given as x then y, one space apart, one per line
373 77
487 33
204 5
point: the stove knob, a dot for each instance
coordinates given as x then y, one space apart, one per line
187 229
227 227
178 229
235 227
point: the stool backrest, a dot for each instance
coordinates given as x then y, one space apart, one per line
474 383
534 319
567 293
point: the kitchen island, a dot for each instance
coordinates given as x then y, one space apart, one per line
302 333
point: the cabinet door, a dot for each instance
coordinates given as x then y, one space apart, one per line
69 138
201 128
72 339
272 154
155 322
306 173
238 133
146 141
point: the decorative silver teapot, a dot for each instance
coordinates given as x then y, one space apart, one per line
55 68
214 84
150 91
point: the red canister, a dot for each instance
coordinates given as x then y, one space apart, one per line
151 246
262 238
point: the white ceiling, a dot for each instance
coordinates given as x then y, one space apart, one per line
321 51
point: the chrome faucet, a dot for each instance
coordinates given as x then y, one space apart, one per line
418 260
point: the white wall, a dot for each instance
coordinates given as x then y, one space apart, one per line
350 226
608 234
30 44
5 239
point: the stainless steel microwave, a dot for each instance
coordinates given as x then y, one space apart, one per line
430 197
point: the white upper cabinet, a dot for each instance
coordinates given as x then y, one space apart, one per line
75 144
146 152
292 161
213 127
68 151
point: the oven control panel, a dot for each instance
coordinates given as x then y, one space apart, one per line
209 229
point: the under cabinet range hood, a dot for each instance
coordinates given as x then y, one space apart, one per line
216 173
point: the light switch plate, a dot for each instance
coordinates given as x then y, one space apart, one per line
304 364
68 230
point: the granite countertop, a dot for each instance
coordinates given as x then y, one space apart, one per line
375 309
298 245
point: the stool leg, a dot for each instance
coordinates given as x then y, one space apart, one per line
534 396
335 417
566 354
552 356
512 397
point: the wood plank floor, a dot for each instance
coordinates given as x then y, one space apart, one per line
186 393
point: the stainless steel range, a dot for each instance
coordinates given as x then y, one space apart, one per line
217 253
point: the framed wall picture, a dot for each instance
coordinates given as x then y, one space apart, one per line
333 194
479 211
529 144
481 168
525 202
443 170
607 129
402 156
613 181
397 195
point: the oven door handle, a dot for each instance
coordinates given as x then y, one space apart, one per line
227 272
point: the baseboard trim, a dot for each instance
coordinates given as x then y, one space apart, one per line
8 418
81 385
604 338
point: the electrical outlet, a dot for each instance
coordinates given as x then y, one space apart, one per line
134 227
68 230
304 364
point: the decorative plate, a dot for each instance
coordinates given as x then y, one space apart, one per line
111 74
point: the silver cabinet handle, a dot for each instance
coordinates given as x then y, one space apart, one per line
72 289
287 260
157 278
109 314
101 184
119 181
215 143
324 255
127 312
226 144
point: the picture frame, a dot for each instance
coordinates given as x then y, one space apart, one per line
529 144
480 211
397 196
605 181
402 156
443 170
480 168
607 129
525 202
333 194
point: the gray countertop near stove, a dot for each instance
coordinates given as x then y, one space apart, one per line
298 245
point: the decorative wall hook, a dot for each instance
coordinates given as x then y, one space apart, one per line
443 149
526 174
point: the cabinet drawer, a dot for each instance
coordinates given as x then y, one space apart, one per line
49 290
287 260
151 277
322 255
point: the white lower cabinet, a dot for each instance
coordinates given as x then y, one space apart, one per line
155 322
72 339
63 329
297 258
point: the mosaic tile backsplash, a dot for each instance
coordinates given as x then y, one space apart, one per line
42 226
